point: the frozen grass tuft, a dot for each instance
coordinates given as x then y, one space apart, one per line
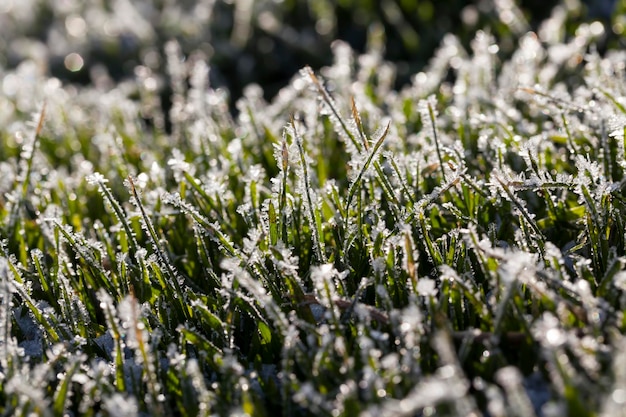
452 248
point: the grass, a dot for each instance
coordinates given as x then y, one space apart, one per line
455 247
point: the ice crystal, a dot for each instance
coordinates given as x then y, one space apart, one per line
511 379
449 54
517 266
548 330
426 287
510 14
431 391
616 127
428 113
330 109
341 71
119 405
311 291
323 277
551 30
8 345
178 165
287 263
411 326
613 402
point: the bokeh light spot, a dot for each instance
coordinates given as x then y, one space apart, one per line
74 62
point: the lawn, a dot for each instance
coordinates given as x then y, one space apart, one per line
352 246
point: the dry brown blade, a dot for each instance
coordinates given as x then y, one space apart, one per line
410 261
309 71
42 116
329 102
132 186
285 155
359 124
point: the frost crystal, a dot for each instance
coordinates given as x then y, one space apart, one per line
549 331
517 266
616 126
96 179
323 277
178 165
119 405
426 287
427 110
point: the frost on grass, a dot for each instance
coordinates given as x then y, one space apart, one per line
280 259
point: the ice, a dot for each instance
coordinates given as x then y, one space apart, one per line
120 405
426 287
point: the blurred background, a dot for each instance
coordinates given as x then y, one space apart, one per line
266 41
